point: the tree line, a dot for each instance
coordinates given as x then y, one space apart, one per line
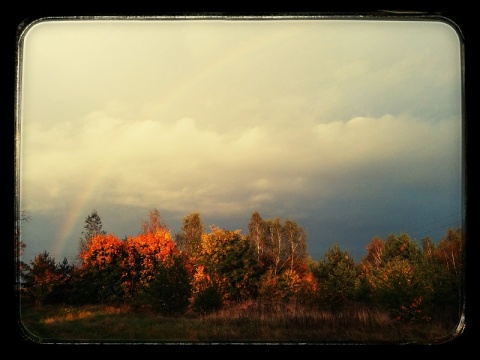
203 271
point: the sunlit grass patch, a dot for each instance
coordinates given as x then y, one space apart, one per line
240 323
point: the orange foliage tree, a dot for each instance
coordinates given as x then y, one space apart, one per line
44 278
226 262
99 278
143 253
102 251
289 286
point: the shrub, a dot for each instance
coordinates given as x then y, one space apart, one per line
207 300
169 291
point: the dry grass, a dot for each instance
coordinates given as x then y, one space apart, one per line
249 322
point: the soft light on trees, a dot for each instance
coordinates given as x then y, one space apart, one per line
44 278
153 223
374 251
399 287
275 254
169 290
296 241
190 238
337 278
257 234
102 251
450 251
100 275
93 226
289 286
229 262
400 246
143 253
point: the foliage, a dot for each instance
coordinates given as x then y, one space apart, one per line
153 223
189 240
142 255
256 234
399 287
296 241
229 262
289 286
169 290
98 285
412 284
337 278
400 246
208 299
277 246
101 271
45 281
270 264
450 252
276 250
438 288
374 251
102 251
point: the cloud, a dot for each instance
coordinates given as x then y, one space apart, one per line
145 162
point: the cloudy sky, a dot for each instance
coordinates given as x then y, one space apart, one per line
352 128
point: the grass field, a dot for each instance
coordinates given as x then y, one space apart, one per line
245 323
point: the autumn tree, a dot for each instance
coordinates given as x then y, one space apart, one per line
406 280
101 273
428 247
93 226
227 263
400 246
190 238
337 277
282 245
450 253
296 241
372 260
374 251
257 234
143 254
169 290
287 287
45 281
437 289
153 223
275 254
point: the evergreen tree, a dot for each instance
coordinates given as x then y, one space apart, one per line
337 278
93 226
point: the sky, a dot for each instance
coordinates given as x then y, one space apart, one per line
352 128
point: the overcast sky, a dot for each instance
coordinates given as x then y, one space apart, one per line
351 128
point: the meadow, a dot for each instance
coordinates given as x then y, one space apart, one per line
245 323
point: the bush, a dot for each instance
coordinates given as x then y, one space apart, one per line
208 300
169 291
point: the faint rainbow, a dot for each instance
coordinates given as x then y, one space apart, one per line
76 211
